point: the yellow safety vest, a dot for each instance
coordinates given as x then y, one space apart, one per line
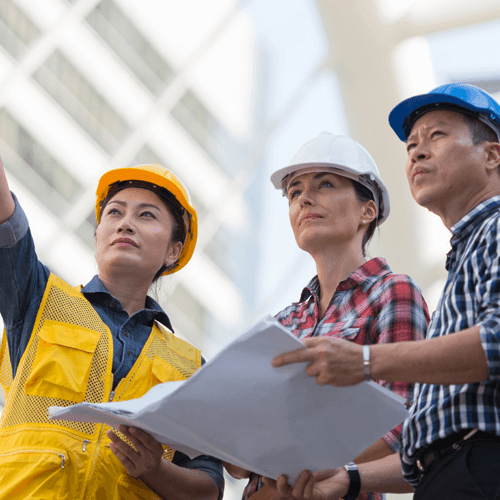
68 360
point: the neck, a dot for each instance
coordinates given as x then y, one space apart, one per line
451 213
131 291
333 266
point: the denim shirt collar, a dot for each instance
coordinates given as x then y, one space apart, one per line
95 291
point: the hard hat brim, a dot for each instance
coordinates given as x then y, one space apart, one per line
405 108
381 196
279 176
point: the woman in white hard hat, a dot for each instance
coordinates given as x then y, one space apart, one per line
100 342
336 200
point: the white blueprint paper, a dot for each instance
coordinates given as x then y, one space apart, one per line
239 408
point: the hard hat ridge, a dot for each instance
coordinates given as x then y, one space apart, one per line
343 156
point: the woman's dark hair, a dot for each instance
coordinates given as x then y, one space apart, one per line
178 234
364 194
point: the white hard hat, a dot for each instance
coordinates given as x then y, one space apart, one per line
344 157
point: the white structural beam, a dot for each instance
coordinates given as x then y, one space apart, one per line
361 47
362 55
431 16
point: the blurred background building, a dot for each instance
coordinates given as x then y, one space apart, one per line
223 93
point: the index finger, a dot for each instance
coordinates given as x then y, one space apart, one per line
297 356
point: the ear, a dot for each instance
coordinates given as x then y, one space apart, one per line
173 253
492 150
368 212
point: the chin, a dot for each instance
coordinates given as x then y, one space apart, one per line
425 198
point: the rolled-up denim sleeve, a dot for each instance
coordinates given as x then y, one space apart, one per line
210 465
15 228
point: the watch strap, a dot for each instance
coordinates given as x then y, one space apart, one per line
354 481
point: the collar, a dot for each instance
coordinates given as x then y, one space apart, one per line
466 224
96 287
364 277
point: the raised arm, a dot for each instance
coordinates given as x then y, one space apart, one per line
6 201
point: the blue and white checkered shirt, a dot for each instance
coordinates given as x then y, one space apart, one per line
471 297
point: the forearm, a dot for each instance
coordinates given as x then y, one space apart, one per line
235 471
383 476
6 201
379 449
458 358
172 482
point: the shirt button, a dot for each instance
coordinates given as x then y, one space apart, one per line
129 352
112 304
125 333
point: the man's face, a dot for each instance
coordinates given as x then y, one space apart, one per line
444 168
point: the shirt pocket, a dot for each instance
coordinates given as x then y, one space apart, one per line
351 331
62 363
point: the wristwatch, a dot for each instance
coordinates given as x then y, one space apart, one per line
354 481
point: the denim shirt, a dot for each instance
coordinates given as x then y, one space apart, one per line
23 279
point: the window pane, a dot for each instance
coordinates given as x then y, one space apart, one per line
129 44
16 29
32 165
75 94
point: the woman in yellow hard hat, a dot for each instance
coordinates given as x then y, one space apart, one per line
105 341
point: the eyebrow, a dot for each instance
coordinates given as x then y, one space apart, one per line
141 205
435 124
317 176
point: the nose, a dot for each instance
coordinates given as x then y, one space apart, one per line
305 197
419 152
125 225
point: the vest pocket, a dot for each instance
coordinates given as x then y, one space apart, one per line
165 372
31 473
61 367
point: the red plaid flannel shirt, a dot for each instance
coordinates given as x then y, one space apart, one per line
371 306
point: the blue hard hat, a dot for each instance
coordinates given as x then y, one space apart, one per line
459 97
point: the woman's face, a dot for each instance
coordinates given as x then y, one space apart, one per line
134 234
325 210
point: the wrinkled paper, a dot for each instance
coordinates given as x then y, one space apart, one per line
240 409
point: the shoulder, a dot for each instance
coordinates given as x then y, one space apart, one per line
180 346
484 243
399 286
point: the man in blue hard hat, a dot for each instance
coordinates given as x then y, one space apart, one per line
451 440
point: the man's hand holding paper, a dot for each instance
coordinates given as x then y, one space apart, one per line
331 361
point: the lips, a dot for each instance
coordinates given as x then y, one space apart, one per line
124 242
418 173
310 216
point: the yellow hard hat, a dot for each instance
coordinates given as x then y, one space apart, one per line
155 176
